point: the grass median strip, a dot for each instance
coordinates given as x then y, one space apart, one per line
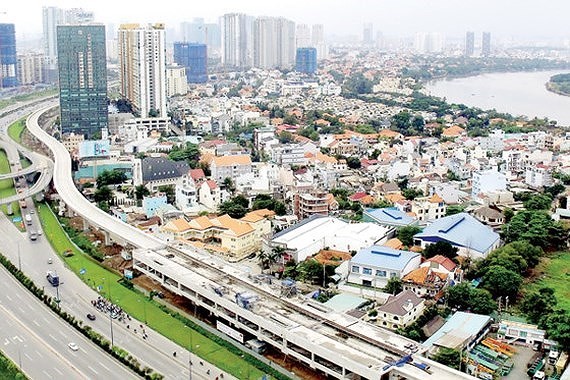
140 306
16 129
7 189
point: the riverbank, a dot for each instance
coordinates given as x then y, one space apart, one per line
559 84
518 94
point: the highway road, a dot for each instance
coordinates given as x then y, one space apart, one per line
35 337
63 182
155 352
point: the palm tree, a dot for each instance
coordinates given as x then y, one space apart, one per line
267 259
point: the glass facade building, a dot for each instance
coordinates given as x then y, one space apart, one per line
82 68
306 60
8 57
194 57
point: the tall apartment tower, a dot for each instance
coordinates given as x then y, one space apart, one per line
142 62
237 40
368 34
194 57
303 36
82 70
318 40
273 43
486 44
306 60
469 44
8 57
52 17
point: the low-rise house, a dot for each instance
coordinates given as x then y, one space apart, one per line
425 282
462 331
401 310
154 172
311 235
374 265
472 238
490 216
230 166
428 208
389 216
152 203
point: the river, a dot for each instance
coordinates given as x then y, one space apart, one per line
522 93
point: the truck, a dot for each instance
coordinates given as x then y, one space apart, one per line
52 278
28 218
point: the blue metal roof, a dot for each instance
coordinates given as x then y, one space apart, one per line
461 230
460 324
383 257
389 215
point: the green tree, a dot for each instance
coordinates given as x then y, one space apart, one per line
310 271
189 152
353 162
103 194
557 325
465 297
440 248
454 209
536 228
537 305
229 185
285 137
393 286
170 193
538 202
111 177
141 191
448 357
501 281
406 234
235 207
555 190
290 119
411 193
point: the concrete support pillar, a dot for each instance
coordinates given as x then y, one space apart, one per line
85 225
107 235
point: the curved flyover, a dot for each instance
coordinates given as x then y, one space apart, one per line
63 182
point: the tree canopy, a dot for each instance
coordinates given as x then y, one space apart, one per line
406 234
111 177
536 228
465 297
501 281
440 248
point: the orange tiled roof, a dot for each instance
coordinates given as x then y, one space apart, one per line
178 225
453 131
435 199
240 159
394 243
236 226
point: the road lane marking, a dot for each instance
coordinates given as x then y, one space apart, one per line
36 323
57 370
9 298
104 366
92 369
53 337
47 374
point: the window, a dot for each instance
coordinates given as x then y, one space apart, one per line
366 271
355 269
380 273
393 274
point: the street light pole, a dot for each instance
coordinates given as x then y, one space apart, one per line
111 322
19 259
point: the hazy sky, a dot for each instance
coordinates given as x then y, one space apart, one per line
506 18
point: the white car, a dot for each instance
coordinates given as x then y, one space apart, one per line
73 346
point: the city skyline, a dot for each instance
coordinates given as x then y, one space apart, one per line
506 19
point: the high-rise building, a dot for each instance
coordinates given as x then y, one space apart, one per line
273 43
82 79
318 40
52 17
142 62
8 57
306 60
237 40
303 36
176 82
469 44
429 42
368 34
194 57
78 16
486 44
31 68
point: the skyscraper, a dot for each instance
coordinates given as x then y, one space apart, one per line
469 44
273 43
306 60
303 36
318 41
8 57
486 44
142 61
82 78
194 57
368 34
237 40
52 17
